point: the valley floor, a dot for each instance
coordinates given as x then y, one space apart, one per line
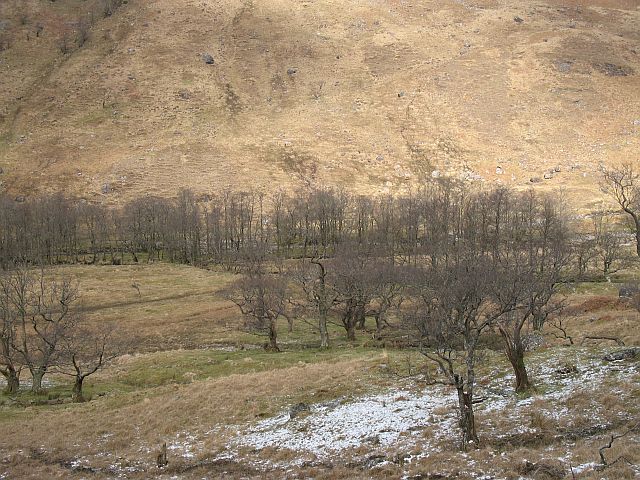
227 409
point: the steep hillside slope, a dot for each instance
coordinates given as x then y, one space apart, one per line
370 95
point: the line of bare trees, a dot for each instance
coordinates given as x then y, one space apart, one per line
220 229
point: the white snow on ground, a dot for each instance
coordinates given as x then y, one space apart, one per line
335 426
397 418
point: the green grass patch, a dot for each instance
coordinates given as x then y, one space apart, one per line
186 366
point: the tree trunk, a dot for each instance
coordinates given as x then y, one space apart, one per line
76 393
516 357
324 334
272 346
515 353
13 382
379 326
351 330
37 374
467 419
360 318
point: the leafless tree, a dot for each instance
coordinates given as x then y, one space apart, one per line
608 244
44 313
529 261
450 319
318 293
262 299
84 351
82 31
584 251
9 363
623 184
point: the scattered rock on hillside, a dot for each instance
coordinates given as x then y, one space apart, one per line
612 70
292 71
208 59
297 409
533 341
543 469
106 188
624 354
499 170
566 369
535 179
518 19
20 199
548 176
626 291
563 66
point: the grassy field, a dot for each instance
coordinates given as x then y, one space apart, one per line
193 379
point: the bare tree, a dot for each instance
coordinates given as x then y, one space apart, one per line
262 299
531 254
623 184
82 31
608 244
9 366
44 312
84 351
452 315
318 294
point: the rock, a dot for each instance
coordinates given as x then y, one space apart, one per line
624 354
518 19
612 70
184 94
542 469
566 369
499 171
208 59
435 174
563 66
548 176
20 199
401 94
106 188
533 341
535 179
292 71
373 439
374 460
557 169
636 123
379 158
628 291
297 409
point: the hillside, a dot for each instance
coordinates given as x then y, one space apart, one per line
374 96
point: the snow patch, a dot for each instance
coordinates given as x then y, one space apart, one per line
378 420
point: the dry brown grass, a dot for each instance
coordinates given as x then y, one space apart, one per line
177 306
382 95
173 306
122 426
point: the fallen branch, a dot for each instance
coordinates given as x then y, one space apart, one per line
603 337
603 460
